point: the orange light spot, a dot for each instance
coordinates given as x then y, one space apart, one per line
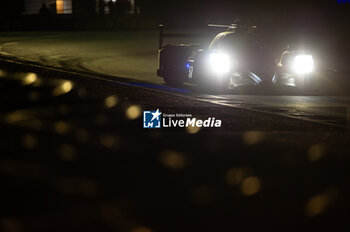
59 6
250 186
317 205
172 159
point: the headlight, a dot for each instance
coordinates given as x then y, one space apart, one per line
219 63
303 64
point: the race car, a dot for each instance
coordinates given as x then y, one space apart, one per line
296 67
234 58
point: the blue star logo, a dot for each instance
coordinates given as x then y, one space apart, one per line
152 119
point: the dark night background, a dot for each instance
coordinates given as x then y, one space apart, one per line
275 12
314 20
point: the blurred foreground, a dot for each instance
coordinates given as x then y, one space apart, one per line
74 157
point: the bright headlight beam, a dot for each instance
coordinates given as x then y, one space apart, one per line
303 64
219 63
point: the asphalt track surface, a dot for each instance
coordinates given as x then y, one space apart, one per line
131 57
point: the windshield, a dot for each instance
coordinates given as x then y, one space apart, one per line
236 41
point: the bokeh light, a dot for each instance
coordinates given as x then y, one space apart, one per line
316 152
64 88
193 129
109 141
29 141
317 205
29 79
235 176
133 112
15 116
253 137
250 186
173 159
2 73
111 101
11 225
61 127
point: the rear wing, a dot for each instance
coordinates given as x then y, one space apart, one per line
232 26
163 34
